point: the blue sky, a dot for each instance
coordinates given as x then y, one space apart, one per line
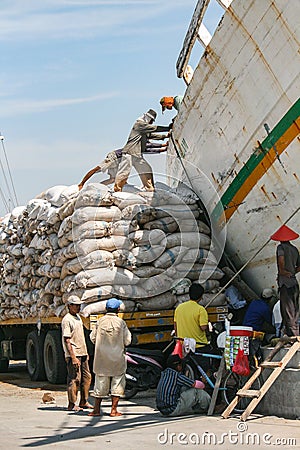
75 74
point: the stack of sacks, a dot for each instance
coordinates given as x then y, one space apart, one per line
144 248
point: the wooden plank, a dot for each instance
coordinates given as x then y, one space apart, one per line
30 321
271 364
216 388
268 383
248 393
191 37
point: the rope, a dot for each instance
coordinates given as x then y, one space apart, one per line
8 168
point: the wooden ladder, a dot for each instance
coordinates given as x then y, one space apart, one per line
278 367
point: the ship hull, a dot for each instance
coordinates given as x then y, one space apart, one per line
238 128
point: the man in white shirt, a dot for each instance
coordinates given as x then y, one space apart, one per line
110 337
76 355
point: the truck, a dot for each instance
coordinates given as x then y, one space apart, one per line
39 342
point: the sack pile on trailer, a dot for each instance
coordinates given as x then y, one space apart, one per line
142 247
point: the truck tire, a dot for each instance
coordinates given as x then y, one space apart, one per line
34 356
55 365
4 362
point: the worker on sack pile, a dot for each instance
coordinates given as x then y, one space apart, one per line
133 150
288 264
76 355
171 102
112 160
177 394
110 337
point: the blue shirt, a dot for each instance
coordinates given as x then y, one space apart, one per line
257 313
169 389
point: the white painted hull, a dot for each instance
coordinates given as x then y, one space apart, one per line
247 77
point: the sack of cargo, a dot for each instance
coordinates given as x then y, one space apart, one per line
65 226
210 272
163 301
161 196
200 255
35 207
106 292
93 260
158 283
100 307
220 299
60 256
193 225
89 230
185 193
170 256
167 224
107 213
110 244
124 199
190 240
210 285
141 213
182 287
67 209
181 209
145 254
53 286
59 195
124 258
92 195
100 277
48 271
15 250
181 298
123 227
146 237
147 271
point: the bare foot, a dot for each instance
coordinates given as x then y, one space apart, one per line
75 408
94 414
86 406
115 414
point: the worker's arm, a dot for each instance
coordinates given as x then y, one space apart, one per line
203 327
75 360
281 267
88 176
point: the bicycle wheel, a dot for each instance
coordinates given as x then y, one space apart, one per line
233 383
189 371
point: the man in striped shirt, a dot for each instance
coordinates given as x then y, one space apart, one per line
177 394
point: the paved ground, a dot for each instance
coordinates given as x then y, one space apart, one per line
27 423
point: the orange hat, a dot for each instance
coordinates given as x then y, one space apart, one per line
284 234
166 101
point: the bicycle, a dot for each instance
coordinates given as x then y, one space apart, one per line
231 382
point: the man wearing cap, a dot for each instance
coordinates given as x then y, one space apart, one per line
76 355
171 102
134 149
288 264
177 394
110 337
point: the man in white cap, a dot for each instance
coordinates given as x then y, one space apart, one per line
76 355
133 150
110 337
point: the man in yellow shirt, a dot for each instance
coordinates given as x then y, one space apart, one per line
191 319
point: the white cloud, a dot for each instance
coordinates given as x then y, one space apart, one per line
58 19
23 106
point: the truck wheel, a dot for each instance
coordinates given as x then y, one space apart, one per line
55 365
34 356
4 363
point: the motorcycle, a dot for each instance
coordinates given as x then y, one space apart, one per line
144 367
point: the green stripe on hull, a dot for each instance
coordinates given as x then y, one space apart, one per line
256 158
